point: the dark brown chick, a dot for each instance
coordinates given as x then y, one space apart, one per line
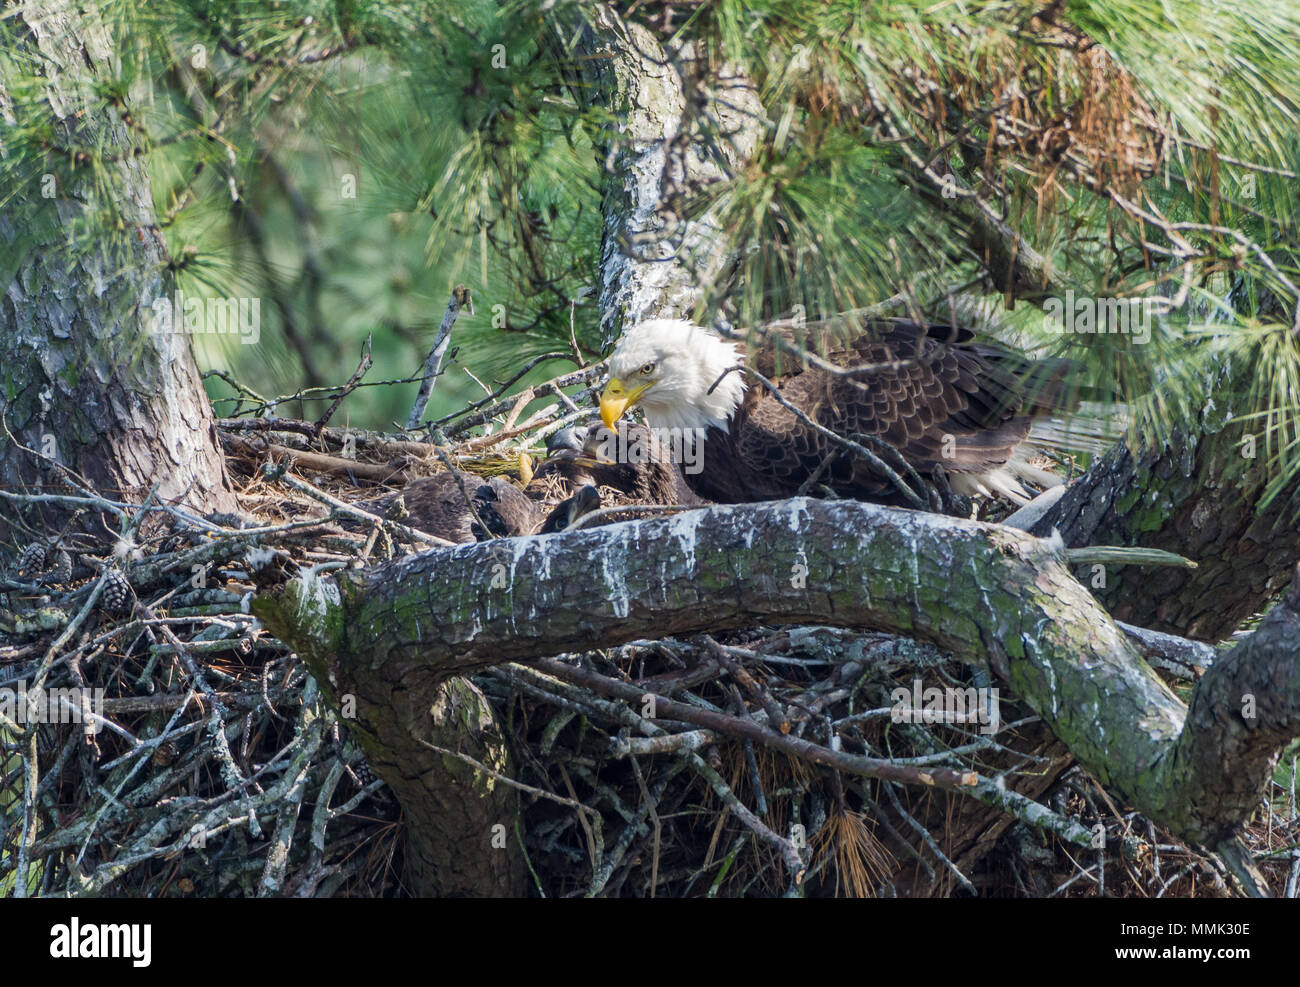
437 505
633 463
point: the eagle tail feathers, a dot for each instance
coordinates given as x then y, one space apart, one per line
1006 481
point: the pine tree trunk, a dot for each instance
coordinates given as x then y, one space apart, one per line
655 262
85 385
1200 495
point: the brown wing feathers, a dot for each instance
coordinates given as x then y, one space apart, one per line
934 394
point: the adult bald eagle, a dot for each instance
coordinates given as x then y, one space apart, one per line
935 394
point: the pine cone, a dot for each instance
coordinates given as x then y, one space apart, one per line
117 597
32 560
363 772
60 571
164 755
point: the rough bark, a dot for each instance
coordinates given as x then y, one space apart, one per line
1241 714
83 382
1198 494
677 125
462 839
980 592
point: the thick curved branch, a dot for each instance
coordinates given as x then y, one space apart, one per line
981 592
1245 710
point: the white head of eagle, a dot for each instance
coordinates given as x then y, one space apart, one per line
666 367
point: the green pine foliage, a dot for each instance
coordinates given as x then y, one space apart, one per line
348 163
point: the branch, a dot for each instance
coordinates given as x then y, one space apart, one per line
1201 494
981 592
460 298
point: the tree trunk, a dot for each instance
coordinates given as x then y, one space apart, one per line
678 124
87 391
1199 494
436 742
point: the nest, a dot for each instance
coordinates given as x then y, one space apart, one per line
215 769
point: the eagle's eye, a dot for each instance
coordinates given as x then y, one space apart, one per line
647 370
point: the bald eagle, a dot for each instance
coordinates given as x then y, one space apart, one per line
935 394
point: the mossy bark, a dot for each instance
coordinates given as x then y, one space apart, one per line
983 593
425 735
83 380
1199 494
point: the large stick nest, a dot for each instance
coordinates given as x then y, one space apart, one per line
218 770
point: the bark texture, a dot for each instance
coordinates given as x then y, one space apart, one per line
462 839
432 738
980 592
83 381
677 125
1200 495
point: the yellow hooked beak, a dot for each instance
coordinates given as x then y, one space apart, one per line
617 399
